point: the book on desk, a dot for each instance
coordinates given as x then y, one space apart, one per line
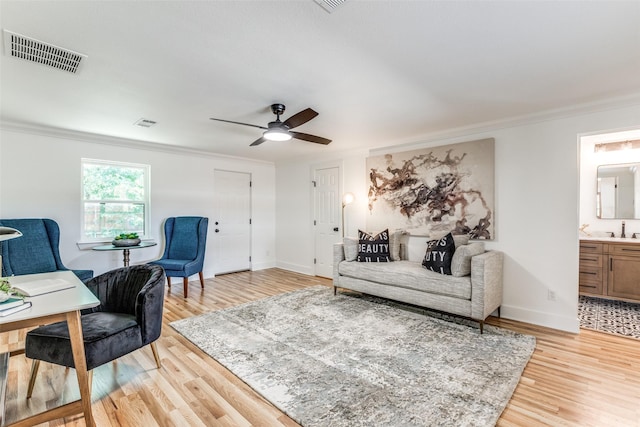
13 305
42 286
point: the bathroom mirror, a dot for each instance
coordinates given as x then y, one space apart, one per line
618 191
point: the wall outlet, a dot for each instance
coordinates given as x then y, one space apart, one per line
551 295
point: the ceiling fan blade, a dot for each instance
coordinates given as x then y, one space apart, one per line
258 141
238 123
300 118
310 138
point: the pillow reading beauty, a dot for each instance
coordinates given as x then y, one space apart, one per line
373 248
439 254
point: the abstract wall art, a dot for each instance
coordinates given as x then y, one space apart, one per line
432 191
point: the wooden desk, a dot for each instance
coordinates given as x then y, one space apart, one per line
50 308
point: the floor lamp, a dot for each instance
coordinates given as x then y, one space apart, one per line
7 233
347 199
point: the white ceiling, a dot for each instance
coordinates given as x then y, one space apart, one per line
378 72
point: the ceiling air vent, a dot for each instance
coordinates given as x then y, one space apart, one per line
145 123
19 46
329 5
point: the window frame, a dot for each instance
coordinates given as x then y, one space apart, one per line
146 202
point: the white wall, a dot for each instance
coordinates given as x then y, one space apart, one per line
536 210
40 177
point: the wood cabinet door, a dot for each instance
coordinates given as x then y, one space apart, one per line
624 277
587 247
591 277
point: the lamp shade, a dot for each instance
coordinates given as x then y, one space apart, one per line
348 198
7 233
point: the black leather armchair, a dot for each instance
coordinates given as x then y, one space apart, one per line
129 317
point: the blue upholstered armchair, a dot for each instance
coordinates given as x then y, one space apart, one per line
36 251
185 242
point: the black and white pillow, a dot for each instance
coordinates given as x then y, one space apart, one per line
373 248
439 255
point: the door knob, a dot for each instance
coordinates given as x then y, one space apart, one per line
336 229
217 231
216 222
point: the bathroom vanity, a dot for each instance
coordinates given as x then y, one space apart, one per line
610 268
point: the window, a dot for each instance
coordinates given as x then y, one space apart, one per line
115 199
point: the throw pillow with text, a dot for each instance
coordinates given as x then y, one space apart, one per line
439 255
373 248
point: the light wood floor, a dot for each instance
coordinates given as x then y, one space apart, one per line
589 379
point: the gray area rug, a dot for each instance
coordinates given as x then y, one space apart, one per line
614 317
351 360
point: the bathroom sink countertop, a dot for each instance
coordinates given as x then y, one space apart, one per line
611 239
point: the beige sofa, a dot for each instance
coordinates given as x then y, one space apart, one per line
474 295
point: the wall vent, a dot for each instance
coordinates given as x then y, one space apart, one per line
19 46
329 5
145 123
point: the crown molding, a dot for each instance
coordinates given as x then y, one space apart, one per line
522 120
458 132
68 134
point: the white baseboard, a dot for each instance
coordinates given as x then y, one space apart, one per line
297 268
549 320
255 266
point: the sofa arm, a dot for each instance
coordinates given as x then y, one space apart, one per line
486 284
338 256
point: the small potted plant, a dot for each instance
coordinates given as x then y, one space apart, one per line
6 291
126 239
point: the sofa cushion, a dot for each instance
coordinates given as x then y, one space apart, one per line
410 275
461 261
373 248
395 241
350 248
461 239
439 254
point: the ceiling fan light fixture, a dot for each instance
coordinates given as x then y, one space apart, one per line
277 135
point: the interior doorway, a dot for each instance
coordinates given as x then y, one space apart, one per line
609 218
232 222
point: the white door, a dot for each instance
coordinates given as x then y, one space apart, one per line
328 227
608 196
232 222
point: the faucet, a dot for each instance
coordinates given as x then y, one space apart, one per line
622 234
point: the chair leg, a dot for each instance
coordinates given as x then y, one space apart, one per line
169 282
201 279
156 356
32 379
90 379
185 285
34 372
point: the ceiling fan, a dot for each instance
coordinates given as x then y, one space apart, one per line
281 131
